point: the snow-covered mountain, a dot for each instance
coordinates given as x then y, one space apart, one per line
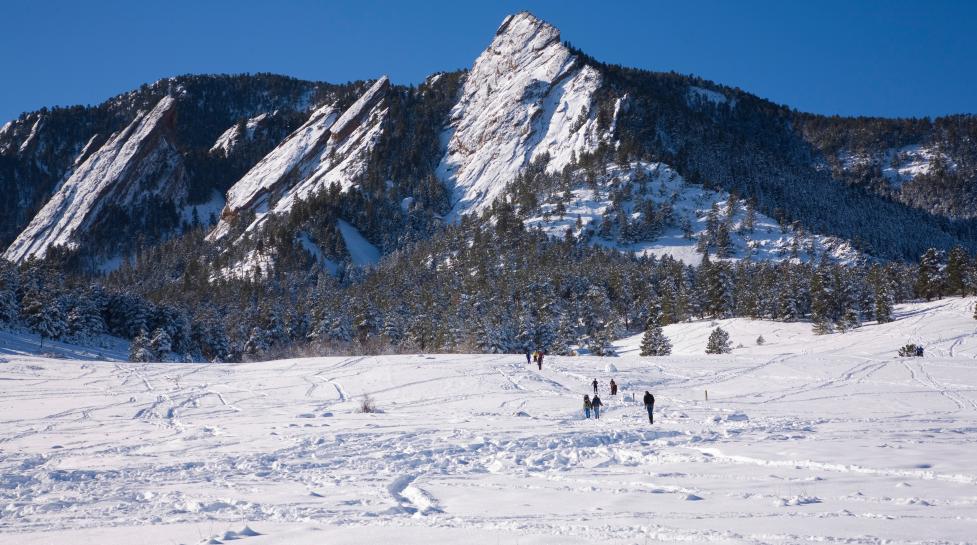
331 147
527 97
137 162
93 181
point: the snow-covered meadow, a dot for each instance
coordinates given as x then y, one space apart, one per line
804 439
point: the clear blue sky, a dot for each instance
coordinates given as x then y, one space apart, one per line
889 58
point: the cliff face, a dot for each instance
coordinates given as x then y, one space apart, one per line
138 161
527 97
333 146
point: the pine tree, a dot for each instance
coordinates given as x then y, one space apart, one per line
654 342
160 343
600 342
929 276
139 350
820 304
718 342
724 243
44 317
956 272
9 309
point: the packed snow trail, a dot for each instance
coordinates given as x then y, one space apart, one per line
803 440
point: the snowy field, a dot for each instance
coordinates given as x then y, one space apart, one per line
802 440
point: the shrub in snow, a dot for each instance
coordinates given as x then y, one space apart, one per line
760 340
718 342
367 405
911 351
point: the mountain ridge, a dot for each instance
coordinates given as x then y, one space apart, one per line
531 102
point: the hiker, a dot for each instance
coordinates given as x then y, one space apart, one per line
540 360
650 405
596 404
594 383
527 356
613 388
586 405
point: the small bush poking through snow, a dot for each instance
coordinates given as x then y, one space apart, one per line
911 351
760 340
367 405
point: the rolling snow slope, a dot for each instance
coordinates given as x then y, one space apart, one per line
803 440
526 95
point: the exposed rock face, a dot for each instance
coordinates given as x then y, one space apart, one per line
140 160
527 95
333 146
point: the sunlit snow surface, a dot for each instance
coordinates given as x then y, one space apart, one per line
805 439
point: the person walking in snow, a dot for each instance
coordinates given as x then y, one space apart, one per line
594 383
650 405
527 357
586 405
613 388
596 404
540 360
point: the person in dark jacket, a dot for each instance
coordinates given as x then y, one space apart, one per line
586 405
613 388
596 404
528 360
650 405
540 360
594 383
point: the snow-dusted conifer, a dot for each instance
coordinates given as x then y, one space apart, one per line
718 342
139 350
654 342
160 343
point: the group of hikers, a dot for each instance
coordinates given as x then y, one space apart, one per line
537 358
594 405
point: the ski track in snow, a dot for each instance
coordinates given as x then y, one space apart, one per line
803 440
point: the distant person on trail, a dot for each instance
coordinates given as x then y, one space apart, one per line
540 360
586 405
650 405
596 404
594 383
613 388
527 356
